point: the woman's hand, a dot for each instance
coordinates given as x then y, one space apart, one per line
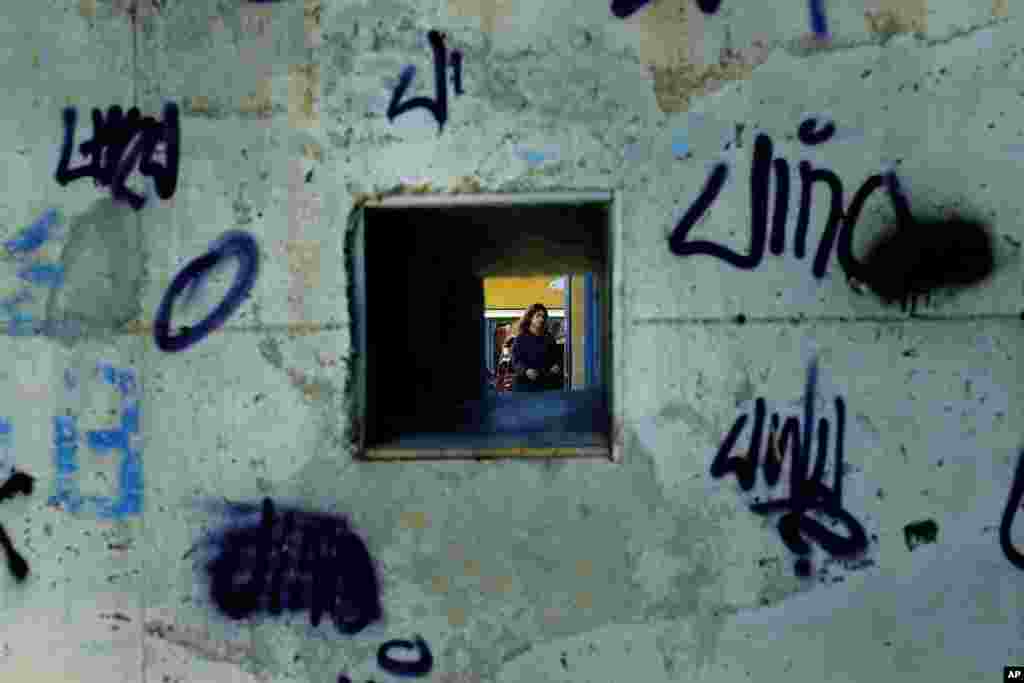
532 374
554 369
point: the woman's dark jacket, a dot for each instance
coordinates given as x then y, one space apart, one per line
533 352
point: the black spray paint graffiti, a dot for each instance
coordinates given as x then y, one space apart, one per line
919 533
421 666
918 257
887 270
807 494
233 243
439 105
292 561
19 482
112 160
626 8
1013 504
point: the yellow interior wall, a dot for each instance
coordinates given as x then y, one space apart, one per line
578 322
522 292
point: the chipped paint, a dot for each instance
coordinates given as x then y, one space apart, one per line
312 151
463 184
258 102
496 584
198 104
304 261
414 520
304 95
304 328
311 13
889 17
494 15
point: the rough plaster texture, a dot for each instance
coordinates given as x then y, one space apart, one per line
513 571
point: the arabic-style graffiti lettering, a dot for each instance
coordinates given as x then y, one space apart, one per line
1015 557
438 106
18 482
956 253
294 560
807 491
120 142
233 243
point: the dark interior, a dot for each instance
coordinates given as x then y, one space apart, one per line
426 374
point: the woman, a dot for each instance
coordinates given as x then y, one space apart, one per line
535 353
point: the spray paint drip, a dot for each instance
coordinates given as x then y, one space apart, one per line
917 257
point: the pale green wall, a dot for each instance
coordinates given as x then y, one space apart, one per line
645 570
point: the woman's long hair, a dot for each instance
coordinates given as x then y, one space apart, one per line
524 323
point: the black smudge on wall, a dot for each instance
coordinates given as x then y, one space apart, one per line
917 256
294 560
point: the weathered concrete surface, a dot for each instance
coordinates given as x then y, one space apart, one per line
556 570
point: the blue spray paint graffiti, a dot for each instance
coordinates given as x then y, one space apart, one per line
120 142
122 439
48 274
817 8
235 243
6 447
439 105
35 235
22 247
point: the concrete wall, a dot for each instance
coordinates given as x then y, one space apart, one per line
655 568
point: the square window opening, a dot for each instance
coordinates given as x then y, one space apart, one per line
447 363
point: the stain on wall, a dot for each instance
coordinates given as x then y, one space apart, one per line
304 95
888 17
495 15
671 44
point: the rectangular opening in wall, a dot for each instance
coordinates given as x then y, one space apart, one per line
452 359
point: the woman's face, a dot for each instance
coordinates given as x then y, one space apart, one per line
537 322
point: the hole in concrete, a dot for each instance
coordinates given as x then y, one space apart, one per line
438 285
